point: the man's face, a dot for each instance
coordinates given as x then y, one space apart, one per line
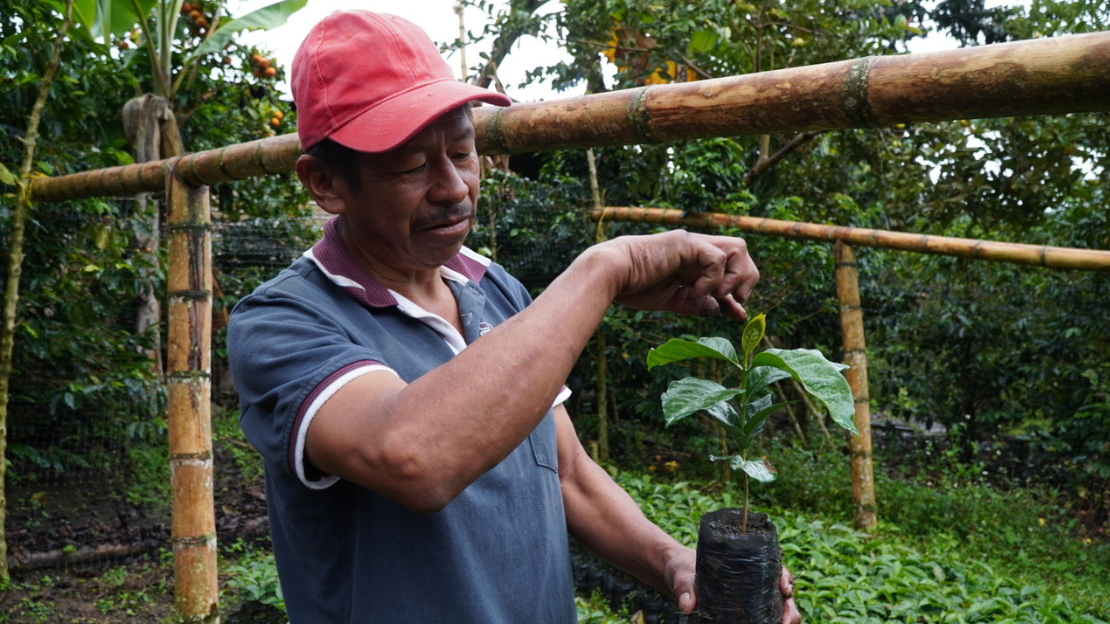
416 203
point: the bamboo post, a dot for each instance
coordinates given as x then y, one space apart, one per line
994 251
855 356
188 382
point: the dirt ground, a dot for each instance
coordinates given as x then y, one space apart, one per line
84 554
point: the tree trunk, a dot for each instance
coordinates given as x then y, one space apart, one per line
602 361
15 268
144 119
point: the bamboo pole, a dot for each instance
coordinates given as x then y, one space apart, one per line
855 356
1042 76
188 383
994 251
1056 75
233 162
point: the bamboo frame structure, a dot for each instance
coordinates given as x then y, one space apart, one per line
855 356
189 390
1048 76
1056 75
994 251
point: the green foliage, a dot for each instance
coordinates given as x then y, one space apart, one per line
932 502
227 433
912 572
754 402
254 577
148 484
81 380
594 610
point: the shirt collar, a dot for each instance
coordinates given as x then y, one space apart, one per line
332 258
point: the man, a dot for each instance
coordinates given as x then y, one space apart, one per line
406 394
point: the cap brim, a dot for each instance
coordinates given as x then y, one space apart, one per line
398 119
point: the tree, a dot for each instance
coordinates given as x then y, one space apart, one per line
1020 179
15 256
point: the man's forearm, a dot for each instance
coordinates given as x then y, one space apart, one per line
605 519
435 436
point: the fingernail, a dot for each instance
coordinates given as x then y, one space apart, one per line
684 602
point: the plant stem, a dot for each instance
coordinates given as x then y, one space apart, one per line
744 521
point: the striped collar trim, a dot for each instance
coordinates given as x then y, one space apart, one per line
332 258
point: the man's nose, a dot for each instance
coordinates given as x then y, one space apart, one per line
449 184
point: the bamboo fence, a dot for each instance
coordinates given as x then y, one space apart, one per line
994 251
1051 76
1039 77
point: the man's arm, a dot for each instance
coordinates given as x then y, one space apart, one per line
605 519
423 443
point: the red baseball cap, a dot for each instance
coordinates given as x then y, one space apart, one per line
371 81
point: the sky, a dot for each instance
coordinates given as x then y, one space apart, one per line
436 17
439 19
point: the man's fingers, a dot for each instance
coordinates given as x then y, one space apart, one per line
790 613
741 274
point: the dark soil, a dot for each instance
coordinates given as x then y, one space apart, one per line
738 571
81 553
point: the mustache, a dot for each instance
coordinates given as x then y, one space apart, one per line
447 214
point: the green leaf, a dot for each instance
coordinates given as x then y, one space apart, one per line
753 333
104 18
759 377
270 16
820 378
724 413
6 176
676 350
703 40
692 395
754 468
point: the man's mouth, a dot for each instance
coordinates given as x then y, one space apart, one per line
457 225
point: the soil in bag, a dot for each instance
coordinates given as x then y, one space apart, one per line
738 572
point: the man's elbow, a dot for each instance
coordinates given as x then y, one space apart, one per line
419 483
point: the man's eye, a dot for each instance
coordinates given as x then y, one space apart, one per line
415 169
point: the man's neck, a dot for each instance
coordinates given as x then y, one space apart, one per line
425 288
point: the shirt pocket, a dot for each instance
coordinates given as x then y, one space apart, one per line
544 445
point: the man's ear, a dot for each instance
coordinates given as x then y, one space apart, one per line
321 184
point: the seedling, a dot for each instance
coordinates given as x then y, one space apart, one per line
743 410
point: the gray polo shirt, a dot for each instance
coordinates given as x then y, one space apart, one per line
495 554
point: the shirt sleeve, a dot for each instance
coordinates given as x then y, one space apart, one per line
288 356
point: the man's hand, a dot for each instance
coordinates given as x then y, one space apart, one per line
683 272
679 576
790 613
